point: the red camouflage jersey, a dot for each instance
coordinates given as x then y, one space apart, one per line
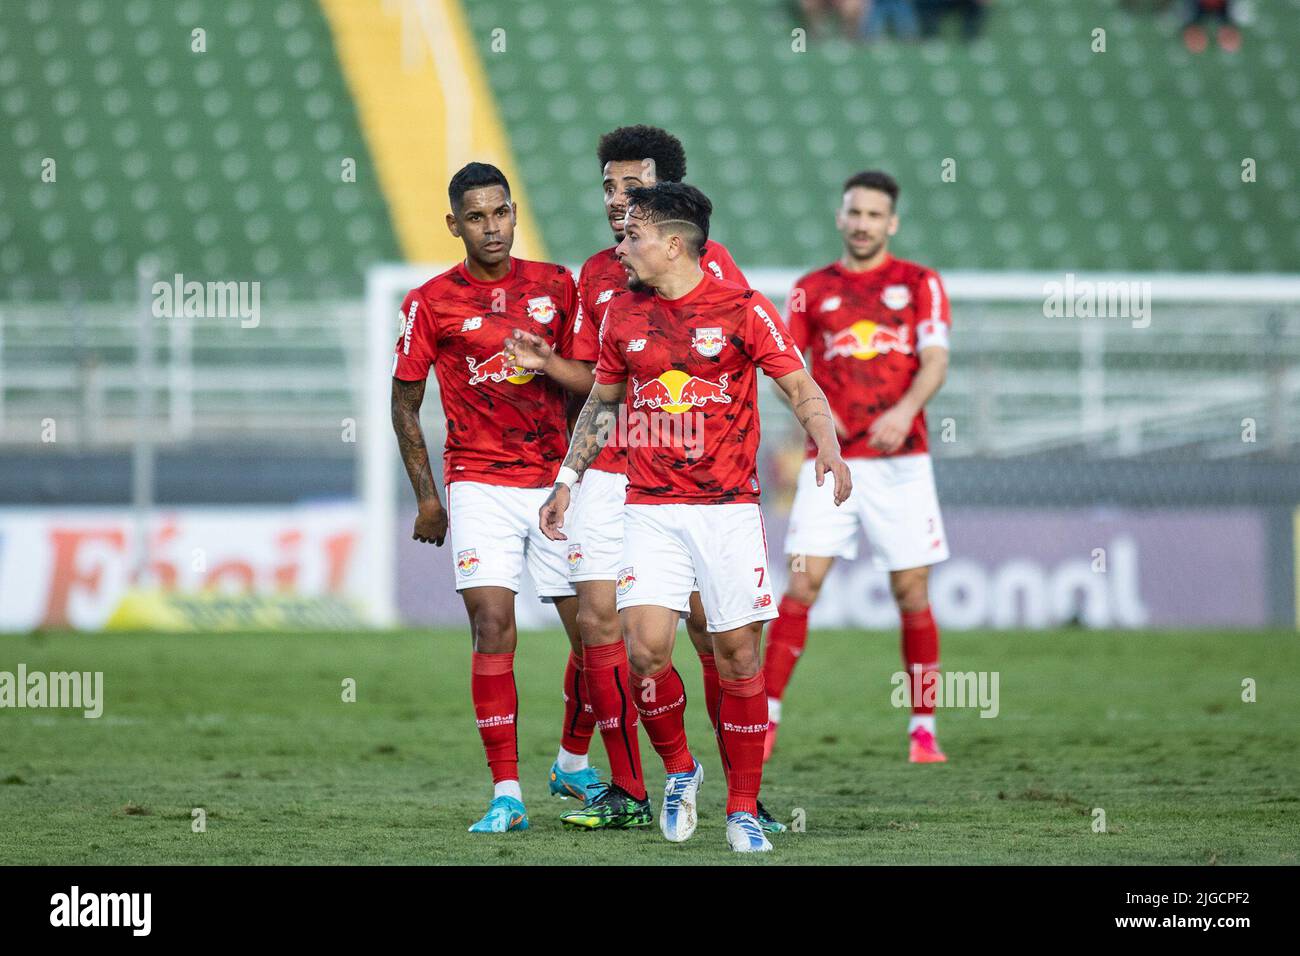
699 354
866 331
505 425
600 277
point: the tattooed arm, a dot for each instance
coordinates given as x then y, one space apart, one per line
814 414
590 432
431 521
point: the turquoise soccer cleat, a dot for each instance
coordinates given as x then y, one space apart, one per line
574 784
503 815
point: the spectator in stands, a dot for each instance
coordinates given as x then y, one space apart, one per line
849 12
932 12
900 13
1195 36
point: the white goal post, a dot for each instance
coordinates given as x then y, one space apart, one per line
1191 319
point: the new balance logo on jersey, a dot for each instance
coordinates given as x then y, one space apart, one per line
469 325
715 269
636 345
604 296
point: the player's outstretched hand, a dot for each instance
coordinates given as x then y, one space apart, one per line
431 523
888 432
526 350
839 469
551 517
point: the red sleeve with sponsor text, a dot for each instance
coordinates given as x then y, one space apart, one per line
612 367
416 340
933 317
769 341
573 317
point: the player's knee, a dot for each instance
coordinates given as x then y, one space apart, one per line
646 659
494 631
740 659
597 626
803 588
911 589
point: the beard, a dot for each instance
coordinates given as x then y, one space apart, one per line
634 284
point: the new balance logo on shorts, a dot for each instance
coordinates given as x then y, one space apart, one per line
763 600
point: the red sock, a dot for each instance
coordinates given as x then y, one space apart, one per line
661 701
712 692
492 685
579 718
611 701
743 728
920 653
785 641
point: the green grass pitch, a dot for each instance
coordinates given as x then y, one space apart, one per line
1149 727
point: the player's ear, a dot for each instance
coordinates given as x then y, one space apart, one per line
893 224
453 226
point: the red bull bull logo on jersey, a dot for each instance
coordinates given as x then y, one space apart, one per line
866 340
497 369
676 392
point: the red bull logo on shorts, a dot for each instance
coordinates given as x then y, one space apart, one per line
497 369
575 556
675 391
626 578
866 340
467 562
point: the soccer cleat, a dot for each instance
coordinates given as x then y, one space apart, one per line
924 749
572 784
610 807
769 823
744 835
504 814
769 741
677 816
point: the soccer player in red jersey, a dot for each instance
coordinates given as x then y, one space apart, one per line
681 343
878 330
506 434
629 156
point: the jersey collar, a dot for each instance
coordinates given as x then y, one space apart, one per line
488 283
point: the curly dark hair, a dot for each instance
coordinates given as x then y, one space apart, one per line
635 143
685 205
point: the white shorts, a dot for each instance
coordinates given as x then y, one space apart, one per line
494 530
595 527
720 550
895 503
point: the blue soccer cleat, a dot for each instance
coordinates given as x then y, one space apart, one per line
677 816
744 835
503 815
572 784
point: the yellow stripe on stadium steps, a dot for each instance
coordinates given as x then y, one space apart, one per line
426 109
